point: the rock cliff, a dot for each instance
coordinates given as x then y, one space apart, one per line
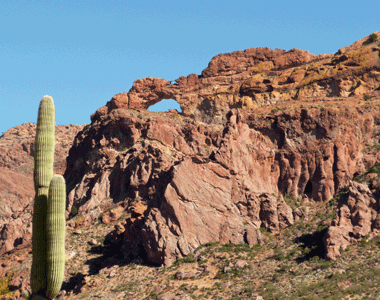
356 218
258 127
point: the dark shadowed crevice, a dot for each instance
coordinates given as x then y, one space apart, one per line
313 242
309 188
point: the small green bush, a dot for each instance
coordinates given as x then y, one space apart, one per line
187 259
74 211
373 37
279 254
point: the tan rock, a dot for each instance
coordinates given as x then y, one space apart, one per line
355 218
137 209
112 215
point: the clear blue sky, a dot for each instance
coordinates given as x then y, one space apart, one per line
83 52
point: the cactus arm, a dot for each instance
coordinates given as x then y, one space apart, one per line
55 236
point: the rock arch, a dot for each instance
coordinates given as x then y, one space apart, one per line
165 105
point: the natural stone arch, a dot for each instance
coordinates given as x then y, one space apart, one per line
164 105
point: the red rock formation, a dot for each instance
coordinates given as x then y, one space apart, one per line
255 125
319 149
356 217
213 93
206 182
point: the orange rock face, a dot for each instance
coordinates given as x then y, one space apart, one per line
256 126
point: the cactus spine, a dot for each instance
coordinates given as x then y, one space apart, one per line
49 210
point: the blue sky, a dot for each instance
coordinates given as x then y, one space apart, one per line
82 53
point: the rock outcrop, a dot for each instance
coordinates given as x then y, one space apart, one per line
220 87
356 217
255 125
205 182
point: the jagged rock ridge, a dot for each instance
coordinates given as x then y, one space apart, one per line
206 174
257 77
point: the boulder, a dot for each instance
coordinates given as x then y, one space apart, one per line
355 218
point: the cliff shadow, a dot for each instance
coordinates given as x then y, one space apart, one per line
312 245
117 254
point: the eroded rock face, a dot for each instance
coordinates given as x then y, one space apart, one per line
136 149
206 182
203 203
356 216
319 150
184 217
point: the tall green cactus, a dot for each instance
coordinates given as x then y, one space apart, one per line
48 243
55 236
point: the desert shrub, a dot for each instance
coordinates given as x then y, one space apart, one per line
373 37
278 254
284 268
293 202
187 259
74 211
4 285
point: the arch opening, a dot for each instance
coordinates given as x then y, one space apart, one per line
164 106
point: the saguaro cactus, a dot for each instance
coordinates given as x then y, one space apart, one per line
48 243
55 236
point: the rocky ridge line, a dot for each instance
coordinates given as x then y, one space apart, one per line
258 77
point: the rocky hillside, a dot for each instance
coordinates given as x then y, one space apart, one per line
259 164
